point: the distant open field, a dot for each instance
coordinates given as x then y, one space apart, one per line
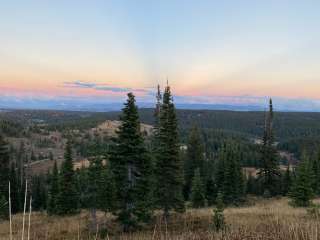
265 219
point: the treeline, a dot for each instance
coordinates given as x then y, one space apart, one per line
300 145
134 177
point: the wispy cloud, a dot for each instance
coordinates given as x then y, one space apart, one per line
104 87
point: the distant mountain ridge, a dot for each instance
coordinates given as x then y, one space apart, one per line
107 107
68 104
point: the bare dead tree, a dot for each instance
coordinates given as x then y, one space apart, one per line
10 217
29 221
24 210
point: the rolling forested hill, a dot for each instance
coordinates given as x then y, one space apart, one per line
294 130
287 124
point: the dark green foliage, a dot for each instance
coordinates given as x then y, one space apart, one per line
301 192
307 142
269 173
229 176
169 170
22 189
4 168
107 191
94 182
315 164
157 113
214 139
286 181
194 159
15 187
82 186
4 210
253 185
197 191
38 193
9 127
131 167
53 190
68 199
92 193
51 156
250 184
218 222
211 191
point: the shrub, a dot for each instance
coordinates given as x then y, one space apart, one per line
218 216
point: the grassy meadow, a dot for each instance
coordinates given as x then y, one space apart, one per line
271 219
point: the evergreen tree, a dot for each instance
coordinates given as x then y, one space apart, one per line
82 186
107 191
168 170
53 190
92 195
158 107
229 176
218 216
251 187
301 192
132 169
220 168
155 136
68 201
316 173
269 172
4 172
211 191
38 193
194 159
51 156
3 208
21 159
287 181
14 188
197 191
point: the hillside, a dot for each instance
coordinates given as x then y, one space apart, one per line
295 131
287 124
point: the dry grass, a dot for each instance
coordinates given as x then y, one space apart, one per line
267 219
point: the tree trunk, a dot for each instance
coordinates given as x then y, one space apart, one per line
93 224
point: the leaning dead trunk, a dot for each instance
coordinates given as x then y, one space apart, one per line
10 217
24 209
29 219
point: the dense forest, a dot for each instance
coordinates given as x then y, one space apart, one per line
294 131
192 159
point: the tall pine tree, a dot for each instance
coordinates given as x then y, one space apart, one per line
53 190
169 169
14 187
229 176
301 192
194 159
107 191
68 199
92 194
269 171
4 175
286 181
198 199
316 172
131 167
38 192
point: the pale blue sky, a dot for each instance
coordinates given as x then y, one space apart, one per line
209 49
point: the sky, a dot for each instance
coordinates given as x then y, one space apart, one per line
212 52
